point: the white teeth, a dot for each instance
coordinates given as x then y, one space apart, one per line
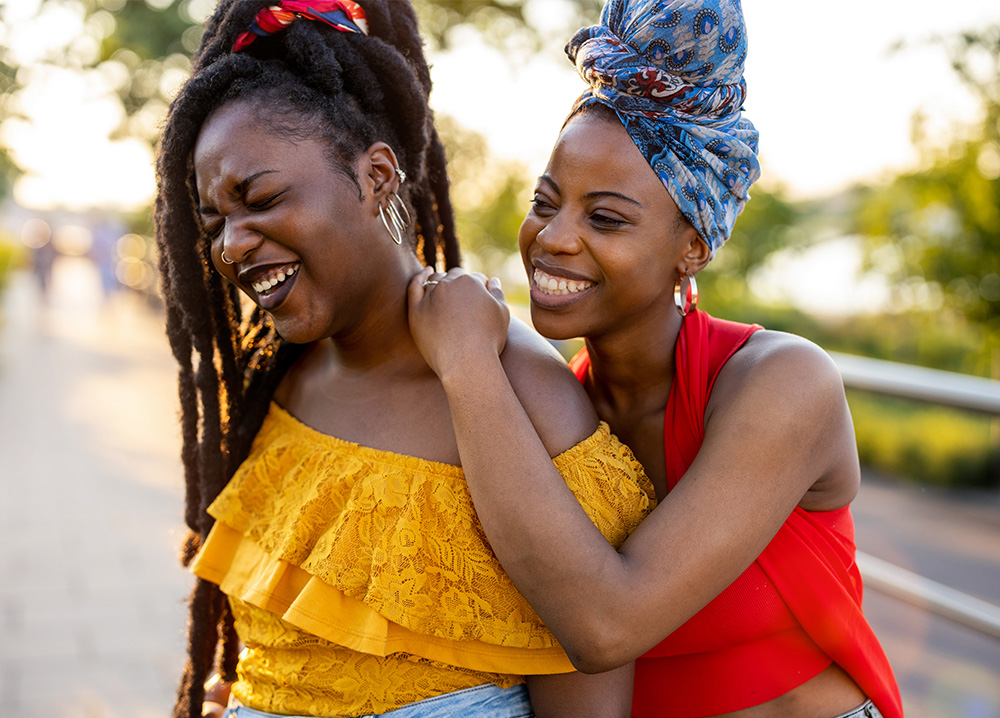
268 283
558 285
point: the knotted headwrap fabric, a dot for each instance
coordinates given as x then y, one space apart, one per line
344 15
673 72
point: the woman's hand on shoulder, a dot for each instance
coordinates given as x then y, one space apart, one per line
457 319
460 323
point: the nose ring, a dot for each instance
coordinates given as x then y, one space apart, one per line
225 259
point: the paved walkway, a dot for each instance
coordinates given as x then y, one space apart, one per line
92 597
91 594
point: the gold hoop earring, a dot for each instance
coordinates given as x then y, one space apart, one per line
225 259
685 301
397 235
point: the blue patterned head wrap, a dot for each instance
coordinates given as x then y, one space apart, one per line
673 72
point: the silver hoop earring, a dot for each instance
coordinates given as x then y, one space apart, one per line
225 259
396 232
403 213
397 220
685 301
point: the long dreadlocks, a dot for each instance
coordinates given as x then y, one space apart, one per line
349 90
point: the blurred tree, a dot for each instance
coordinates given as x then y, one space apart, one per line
139 50
490 196
770 222
8 170
937 229
141 47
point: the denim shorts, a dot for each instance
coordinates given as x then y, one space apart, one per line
485 701
865 710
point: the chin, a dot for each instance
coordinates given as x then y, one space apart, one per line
554 327
297 334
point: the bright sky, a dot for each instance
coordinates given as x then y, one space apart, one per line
832 104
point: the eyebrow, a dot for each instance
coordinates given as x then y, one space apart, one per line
596 194
241 187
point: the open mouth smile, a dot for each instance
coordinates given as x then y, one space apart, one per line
274 278
555 286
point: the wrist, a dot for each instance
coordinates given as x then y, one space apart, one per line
467 370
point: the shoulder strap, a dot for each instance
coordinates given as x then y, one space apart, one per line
704 346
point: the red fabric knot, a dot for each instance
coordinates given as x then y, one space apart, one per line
343 15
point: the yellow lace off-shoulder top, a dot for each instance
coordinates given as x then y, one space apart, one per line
361 580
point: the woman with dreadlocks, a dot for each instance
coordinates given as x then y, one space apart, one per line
739 594
331 529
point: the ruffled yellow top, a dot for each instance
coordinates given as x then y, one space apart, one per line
361 579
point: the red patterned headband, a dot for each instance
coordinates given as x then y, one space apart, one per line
344 15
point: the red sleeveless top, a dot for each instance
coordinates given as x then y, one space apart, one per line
792 613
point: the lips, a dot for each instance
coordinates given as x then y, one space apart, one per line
554 285
271 283
553 291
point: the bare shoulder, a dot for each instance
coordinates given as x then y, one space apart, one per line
792 389
551 395
787 368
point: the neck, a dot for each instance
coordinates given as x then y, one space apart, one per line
632 369
381 340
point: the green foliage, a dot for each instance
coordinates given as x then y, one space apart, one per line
932 445
494 223
940 225
502 23
914 441
140 49
150 32
770 222
490 196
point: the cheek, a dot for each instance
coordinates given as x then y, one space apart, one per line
530 228
221 267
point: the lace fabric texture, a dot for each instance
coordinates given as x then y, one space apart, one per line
381 555
341 682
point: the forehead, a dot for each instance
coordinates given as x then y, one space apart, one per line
593 149
236 139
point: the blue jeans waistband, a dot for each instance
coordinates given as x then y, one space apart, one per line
485 701
865 710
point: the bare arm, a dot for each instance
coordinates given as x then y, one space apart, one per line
777 424
579 695
560 413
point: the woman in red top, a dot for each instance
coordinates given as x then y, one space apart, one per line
739 594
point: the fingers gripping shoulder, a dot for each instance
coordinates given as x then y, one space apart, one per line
552 397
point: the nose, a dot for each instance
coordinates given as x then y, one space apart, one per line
559 236
238 242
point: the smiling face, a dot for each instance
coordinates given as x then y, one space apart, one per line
603 240
296 229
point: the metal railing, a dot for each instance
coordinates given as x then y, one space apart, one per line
916 382
947 389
